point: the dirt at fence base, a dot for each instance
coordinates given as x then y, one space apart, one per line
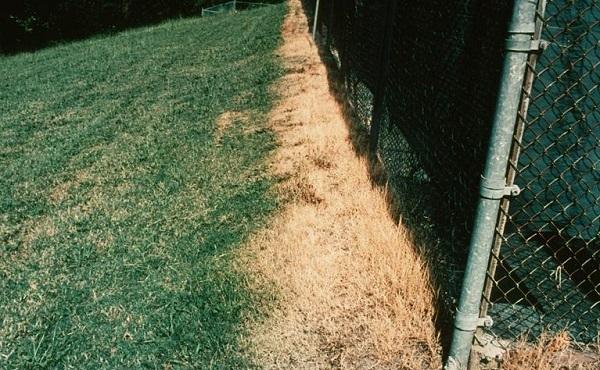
548 352
354 291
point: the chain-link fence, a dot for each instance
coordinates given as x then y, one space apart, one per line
544 274
423 77
426 75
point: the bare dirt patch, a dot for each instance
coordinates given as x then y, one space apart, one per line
355 293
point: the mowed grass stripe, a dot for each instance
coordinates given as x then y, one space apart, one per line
121 200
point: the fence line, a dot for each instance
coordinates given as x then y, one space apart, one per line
425 78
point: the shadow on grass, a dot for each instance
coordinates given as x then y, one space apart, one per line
412 198
16 42
56 28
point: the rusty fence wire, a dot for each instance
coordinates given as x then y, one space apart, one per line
422 77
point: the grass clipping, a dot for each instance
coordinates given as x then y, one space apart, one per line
355 293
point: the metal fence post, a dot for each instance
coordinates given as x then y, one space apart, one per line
493 183
514 157
314 35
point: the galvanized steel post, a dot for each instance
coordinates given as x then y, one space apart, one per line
493 183
314 35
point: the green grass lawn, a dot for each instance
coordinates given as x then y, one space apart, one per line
121 202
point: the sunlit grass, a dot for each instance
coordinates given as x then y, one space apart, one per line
120 203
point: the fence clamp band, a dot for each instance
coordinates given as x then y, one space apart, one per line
526 46
491 189
465 323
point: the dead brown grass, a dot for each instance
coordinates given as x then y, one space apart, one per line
549 353
355 293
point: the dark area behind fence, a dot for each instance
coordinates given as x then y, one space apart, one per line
423 78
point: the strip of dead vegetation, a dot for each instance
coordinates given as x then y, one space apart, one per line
354 292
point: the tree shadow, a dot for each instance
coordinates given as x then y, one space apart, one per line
28 27
14 40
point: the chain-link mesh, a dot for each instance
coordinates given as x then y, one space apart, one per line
440 92
427 72
544 273
355 31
